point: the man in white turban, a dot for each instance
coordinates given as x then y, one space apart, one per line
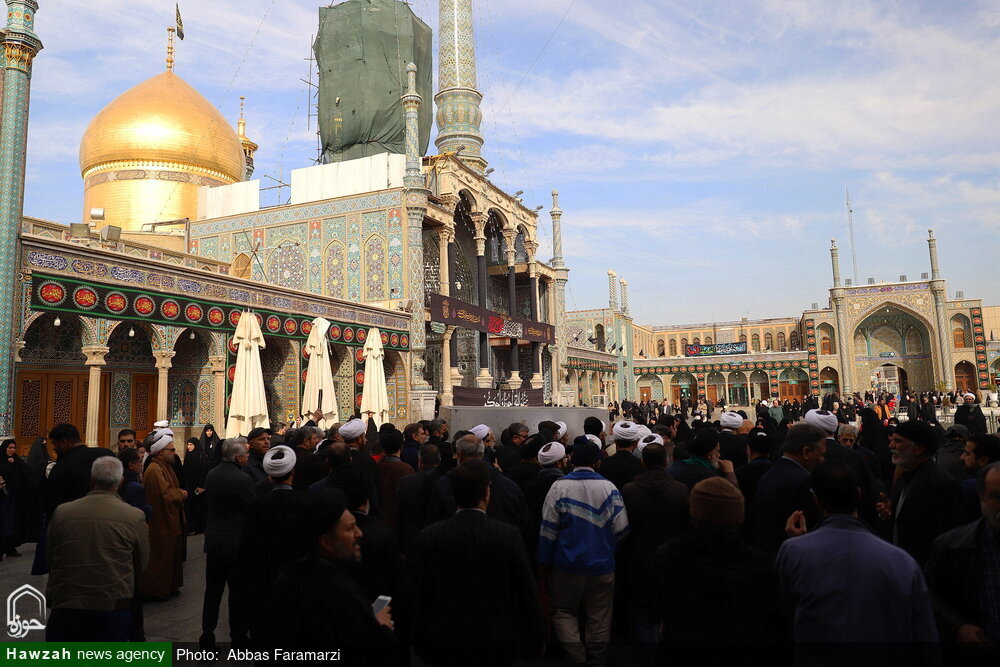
732 445
623 466
971 415
279 464
164 574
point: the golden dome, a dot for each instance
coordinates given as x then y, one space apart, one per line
165 121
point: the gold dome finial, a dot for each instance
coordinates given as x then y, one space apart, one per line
170 49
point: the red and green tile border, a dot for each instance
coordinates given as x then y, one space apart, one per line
979 337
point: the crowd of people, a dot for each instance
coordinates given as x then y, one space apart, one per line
672 539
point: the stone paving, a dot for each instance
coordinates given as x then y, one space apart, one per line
176 619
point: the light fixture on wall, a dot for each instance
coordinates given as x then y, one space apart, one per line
57 322
191 336
131 332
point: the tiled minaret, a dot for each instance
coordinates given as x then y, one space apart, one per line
458 112
20 45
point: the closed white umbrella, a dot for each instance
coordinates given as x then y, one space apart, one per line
319 376
374 397
248 406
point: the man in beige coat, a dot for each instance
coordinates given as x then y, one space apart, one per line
167 535
96 545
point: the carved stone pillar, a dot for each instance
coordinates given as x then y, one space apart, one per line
447 395
95 361
484 380
163 364
537 380
445 239
219 376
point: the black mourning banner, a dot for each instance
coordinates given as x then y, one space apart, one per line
448 310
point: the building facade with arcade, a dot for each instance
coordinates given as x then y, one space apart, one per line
125 317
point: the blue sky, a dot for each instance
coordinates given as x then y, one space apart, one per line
700 149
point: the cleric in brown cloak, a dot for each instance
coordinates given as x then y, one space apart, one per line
167 536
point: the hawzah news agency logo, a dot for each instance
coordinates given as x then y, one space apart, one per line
29 601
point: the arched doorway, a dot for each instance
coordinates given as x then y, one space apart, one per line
134 386
464 278
190 380
683 385
760 386
52 381
793 383
891 336
281 379
715 387
829 381
890 378
965 377
738 389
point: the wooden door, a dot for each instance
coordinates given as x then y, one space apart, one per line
645 393
712 392
47 398
143 404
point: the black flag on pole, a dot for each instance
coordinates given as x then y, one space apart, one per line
180 24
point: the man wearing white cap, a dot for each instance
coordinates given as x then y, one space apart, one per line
827 422
970 415
269 538
622 468
553 459
355 435
164 574
732 445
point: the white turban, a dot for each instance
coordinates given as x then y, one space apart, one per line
626 430
562 429
480 431
594 439
353 429
969 395
731 420
642 431
279 461
164 437
823 419
551 453
163 423
651 439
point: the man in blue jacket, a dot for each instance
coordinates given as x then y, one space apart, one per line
582 522
847 584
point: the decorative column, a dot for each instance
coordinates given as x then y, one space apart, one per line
218 362
163 363
95 361
537 381
515 380
624 284
445 240
415 197
455 375
943 338
447 379
20 45
837 295
484 380
560 358
458 100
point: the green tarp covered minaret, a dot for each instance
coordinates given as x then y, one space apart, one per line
362 48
